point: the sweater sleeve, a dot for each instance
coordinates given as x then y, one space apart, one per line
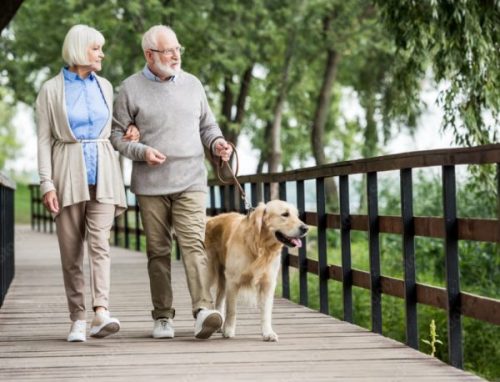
44 142
122 118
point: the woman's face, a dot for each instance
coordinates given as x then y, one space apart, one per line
95 57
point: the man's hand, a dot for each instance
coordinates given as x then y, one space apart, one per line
153 157
50 202
223 149
132 134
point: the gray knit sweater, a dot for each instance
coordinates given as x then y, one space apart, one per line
173 117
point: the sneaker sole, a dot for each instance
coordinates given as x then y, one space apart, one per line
163 336
106 330
211 324
75 340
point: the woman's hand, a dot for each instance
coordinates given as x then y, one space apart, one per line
132 134
50 202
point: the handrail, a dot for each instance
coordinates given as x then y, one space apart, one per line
7 267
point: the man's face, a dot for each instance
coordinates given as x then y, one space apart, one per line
166 62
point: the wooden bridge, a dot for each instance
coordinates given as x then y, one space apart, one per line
312 347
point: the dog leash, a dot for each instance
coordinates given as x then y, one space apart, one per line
234 174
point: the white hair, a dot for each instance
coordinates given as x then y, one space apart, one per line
149 38
77 41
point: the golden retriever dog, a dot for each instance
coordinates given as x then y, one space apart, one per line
244 253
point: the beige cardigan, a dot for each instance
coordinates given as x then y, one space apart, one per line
61 164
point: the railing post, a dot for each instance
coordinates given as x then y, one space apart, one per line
242 202
374 251
222 193
255 194
301 204
32 205
38 210
267 192
232 204
409 257
452 267
137 226
345 233
7 249
322 246
285 259
212 201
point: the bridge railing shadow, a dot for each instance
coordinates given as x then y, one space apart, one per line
451 228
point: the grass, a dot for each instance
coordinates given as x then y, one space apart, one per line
22 204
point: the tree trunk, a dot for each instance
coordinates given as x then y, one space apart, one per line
370 145
319 122
230 126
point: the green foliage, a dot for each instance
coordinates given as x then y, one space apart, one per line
22 211
459 41
8 140
433 338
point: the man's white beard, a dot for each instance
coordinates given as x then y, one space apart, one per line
165 70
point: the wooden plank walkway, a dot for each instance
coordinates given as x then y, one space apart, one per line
313 347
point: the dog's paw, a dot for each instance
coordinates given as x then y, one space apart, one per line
228 332
270 337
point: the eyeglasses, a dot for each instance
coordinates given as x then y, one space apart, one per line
170 52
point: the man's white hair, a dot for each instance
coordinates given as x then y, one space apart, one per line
149 38
76 43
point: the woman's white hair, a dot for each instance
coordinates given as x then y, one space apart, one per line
77 41
149 38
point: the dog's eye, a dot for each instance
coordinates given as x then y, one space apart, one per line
285 214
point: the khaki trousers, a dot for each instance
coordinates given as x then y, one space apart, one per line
185 214
94 220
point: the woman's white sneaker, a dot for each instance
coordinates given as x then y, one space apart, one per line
103 325
77 331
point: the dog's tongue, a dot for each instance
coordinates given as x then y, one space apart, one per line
297 242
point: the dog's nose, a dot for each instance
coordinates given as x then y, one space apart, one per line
303 229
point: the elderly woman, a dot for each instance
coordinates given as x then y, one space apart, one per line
80 175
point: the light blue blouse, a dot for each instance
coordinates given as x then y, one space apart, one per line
87 115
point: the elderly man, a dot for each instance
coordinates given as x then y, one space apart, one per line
170 108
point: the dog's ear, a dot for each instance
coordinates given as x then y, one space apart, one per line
257 216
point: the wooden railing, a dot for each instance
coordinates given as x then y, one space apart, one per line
7 266
451 228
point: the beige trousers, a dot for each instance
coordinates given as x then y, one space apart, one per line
185 214
93 220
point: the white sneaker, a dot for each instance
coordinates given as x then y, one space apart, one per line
103 325
163 328
207 322
77 331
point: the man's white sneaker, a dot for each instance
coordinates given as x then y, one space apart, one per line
77 331
207 322
163 328
103 325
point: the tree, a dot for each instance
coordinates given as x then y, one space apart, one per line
8 141
458 40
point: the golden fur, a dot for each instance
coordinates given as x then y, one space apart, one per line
244 252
